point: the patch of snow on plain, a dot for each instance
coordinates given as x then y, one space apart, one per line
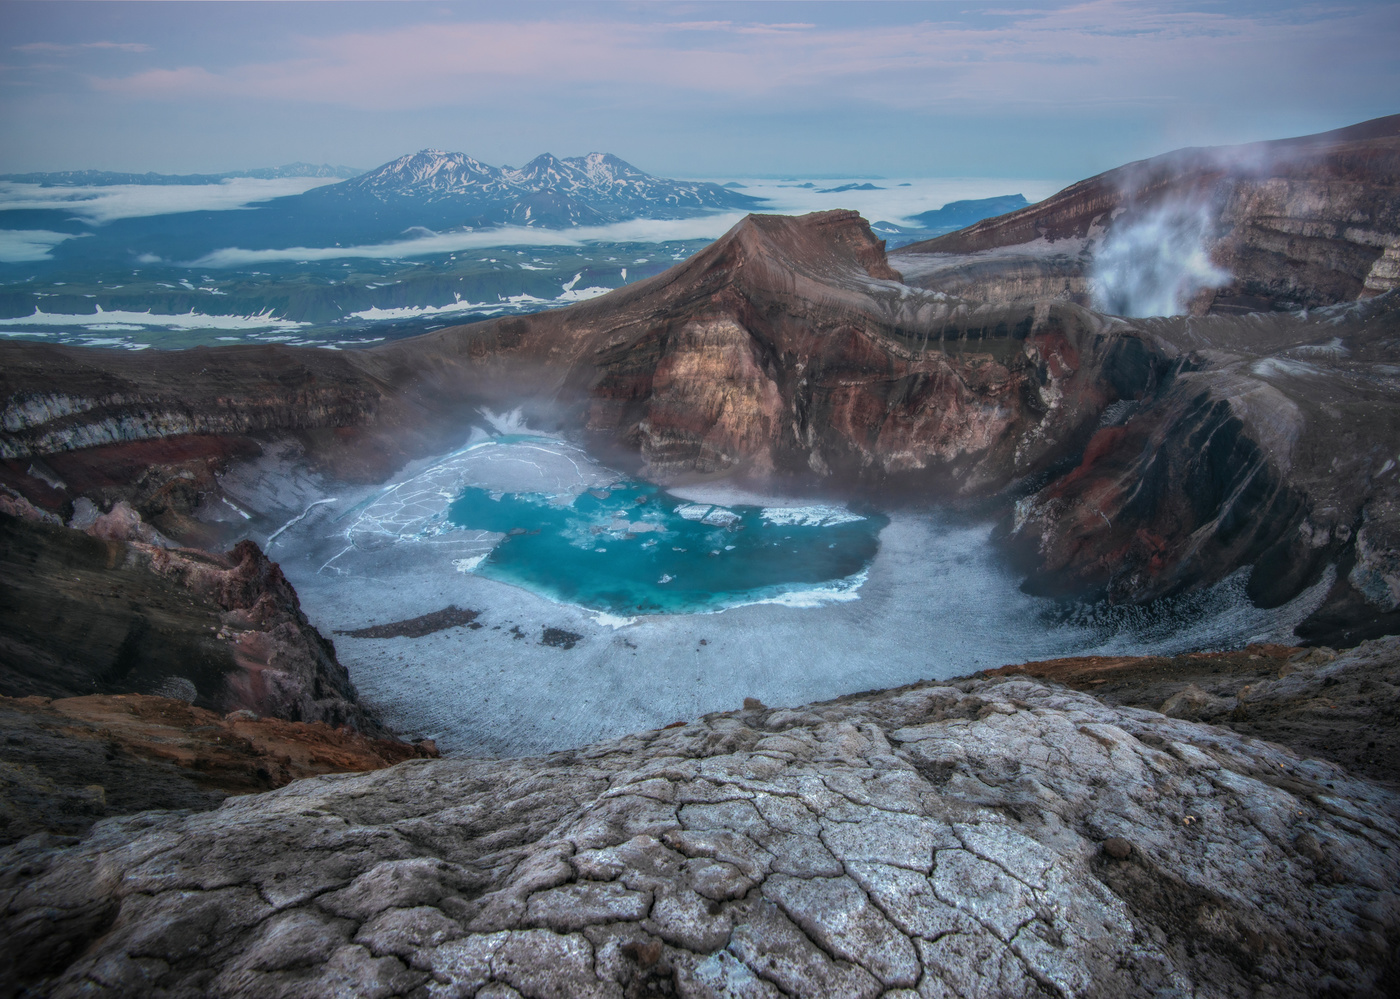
1275 366
123 320
632 231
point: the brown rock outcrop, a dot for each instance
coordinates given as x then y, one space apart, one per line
1338 707
66 763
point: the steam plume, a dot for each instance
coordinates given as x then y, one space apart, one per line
1156 263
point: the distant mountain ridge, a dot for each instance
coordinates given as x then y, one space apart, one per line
547 191
110 178
951 217
957 214
419 195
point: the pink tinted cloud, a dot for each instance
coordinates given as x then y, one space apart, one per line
426 65
61 48
1097 52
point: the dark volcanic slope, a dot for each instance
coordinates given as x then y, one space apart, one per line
1297 223
1146 458
1273 444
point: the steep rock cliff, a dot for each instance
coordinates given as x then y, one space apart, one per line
106 612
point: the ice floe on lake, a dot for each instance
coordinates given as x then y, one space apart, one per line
809 516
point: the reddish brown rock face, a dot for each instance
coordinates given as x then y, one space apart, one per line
785 349
710 403
71 761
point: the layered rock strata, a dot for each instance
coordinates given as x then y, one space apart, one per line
985 837
1271 444
1294 223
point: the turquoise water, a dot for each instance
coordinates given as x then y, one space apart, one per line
635 549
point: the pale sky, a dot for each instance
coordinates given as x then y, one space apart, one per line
937 89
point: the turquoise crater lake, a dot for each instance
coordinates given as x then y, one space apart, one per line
633 548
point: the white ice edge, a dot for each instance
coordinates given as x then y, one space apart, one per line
567 297
837 591
140 320
299 517
614 621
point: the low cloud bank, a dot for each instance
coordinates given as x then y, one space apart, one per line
106 203
23 246
633 231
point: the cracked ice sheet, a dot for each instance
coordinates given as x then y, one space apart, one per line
413 510
486 692
937 603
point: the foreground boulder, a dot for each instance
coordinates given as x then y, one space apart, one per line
988 837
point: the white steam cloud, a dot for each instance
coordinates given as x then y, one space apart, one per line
1155 263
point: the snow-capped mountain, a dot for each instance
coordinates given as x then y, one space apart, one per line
547 191
430 175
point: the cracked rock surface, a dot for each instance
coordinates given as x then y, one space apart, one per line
989 837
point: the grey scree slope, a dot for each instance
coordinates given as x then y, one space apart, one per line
935 840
